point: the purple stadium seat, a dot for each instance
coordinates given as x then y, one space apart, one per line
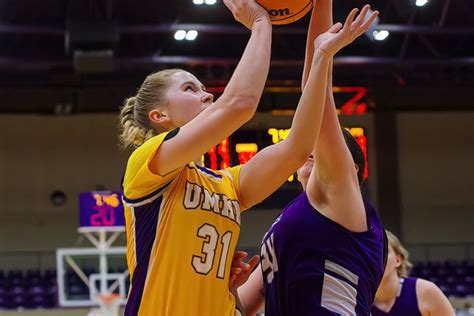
18 301
460 271
461 290
442 272
426 273
451 279
468 279
15 277
35 301
446 289
33 277
469 265
52 289
16 290
35 290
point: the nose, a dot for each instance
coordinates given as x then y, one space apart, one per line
207 97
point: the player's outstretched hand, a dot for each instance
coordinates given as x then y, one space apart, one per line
339 36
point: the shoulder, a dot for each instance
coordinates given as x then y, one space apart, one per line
425 287
231 172
146 150
431 298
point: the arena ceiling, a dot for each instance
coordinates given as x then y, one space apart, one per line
80 52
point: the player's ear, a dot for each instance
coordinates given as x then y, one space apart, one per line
399 261
160 117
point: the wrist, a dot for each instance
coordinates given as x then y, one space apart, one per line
322 55
262 19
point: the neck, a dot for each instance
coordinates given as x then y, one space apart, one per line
388 289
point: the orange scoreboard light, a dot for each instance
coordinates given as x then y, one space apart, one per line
240 147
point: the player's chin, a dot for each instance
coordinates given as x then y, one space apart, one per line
304 172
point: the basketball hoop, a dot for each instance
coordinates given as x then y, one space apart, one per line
109 305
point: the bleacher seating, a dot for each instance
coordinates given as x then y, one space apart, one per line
454 278
36 289
30 289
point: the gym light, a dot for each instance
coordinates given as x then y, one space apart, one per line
420 3
208 2
380 35
180 35
191 35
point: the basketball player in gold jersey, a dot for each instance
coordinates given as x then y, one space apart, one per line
182 219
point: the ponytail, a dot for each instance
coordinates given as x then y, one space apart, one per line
132 134
135 126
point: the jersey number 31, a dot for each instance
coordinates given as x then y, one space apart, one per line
204 262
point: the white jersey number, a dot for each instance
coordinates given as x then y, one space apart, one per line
269 259
204 262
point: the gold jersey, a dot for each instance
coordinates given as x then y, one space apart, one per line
182 230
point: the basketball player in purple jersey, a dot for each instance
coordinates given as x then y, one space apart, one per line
325 253
400 295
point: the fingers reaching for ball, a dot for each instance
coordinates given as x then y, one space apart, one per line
247 12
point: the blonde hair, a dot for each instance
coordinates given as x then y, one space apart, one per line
133 118
404 269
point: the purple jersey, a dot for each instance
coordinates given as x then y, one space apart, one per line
406 303
313 266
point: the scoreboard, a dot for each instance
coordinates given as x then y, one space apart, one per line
244 144
100 209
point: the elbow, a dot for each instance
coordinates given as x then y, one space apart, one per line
301 157
299 150
244 106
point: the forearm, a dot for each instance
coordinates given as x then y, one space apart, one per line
250 75
308 117
321 21
333 157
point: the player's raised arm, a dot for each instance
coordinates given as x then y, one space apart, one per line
204 125
321 20
263 174
334 167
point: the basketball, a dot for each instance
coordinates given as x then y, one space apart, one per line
286 11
